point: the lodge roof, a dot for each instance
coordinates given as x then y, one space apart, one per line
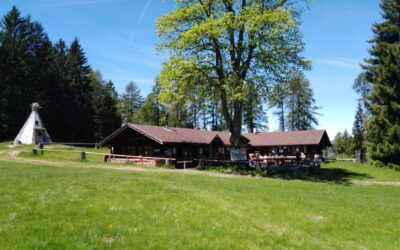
180 135
301 137
164 135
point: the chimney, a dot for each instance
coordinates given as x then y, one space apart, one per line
254 130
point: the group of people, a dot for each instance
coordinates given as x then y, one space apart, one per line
255 159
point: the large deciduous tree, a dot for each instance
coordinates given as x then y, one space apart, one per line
383 71
237 46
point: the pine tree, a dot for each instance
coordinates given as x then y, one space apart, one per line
302 110
149 112
32 69
130 102
338 145
254 115
61 130
359 133
342 144
80 100
105 104
278 100
383 71
14 71
363 88
43 75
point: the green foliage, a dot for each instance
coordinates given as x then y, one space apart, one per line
57 76
383 71
278 100
150 111
130 102
302 110
343 144
234 47
105 104
359 142
14 70
363 88
254 112
295 97
81 105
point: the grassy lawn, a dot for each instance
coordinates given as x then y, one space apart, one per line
45 207
365 171
64 156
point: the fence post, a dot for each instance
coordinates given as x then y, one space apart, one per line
83 156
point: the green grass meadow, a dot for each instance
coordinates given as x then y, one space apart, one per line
70 207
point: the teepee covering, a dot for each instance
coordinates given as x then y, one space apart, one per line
33 131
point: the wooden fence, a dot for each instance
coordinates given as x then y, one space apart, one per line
111 157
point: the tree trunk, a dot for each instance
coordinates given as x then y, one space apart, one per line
236 132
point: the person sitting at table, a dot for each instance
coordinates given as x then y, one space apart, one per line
298 155
264 158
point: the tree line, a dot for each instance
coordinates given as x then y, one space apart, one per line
79 106
293 100
376 129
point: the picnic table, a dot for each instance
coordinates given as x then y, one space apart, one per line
283 163
264 161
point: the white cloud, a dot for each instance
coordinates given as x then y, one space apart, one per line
341 62
139 21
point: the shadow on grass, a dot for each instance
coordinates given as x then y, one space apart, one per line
323 175
327 175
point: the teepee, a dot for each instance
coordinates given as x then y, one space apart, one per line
33 131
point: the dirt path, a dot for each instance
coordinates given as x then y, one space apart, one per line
12 156
381 183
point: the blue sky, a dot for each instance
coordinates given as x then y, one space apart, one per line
119 37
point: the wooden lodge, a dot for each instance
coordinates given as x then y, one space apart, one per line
310 142
191 144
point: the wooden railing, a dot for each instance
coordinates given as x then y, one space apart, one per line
83 154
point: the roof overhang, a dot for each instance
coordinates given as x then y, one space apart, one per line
124 128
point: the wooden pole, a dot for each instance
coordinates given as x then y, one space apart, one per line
83 156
